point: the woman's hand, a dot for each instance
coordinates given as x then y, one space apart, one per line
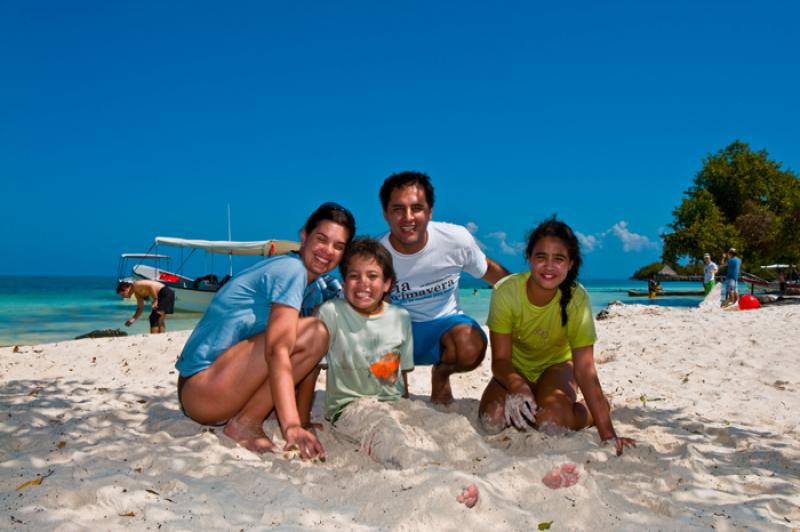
520 408
305 442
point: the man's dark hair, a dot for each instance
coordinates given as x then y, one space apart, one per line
335 213
404 179
123 285
370 248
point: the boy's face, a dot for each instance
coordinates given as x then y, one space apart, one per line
364 284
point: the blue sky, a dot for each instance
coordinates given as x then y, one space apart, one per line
125 120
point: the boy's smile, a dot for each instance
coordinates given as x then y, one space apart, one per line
365 285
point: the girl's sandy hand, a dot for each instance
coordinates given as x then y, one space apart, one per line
519 409
304 442
620 443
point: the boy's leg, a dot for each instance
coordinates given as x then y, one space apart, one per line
557 399
235 389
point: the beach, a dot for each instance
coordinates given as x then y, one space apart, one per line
92 437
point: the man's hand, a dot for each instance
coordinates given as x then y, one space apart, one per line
130 322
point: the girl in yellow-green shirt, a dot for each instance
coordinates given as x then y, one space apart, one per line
542 337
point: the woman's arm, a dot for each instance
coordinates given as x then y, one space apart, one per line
280 339
589 383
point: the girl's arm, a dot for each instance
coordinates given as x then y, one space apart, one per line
519 408
589 383
502 369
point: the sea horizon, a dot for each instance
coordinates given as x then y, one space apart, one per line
36 309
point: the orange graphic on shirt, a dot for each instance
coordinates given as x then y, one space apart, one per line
385 368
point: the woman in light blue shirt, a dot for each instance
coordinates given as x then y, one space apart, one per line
251 347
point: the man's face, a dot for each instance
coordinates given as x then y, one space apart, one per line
408 214
706 259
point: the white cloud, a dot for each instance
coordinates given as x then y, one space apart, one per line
631 241
588 242
506 247
472 227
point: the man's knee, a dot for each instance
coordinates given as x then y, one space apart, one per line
469 347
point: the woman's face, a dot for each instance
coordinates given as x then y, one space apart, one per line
322 249
550 263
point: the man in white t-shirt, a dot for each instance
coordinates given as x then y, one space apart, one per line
428 259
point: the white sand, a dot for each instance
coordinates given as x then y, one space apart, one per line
711 396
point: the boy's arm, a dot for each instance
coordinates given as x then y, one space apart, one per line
405 383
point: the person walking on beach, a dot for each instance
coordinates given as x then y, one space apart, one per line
543 335
251 348
734 267
428 260
709 273
163 301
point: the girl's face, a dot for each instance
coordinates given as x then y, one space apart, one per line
364 284
323 248
550 263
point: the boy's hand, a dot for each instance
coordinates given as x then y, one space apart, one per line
305 442
130 322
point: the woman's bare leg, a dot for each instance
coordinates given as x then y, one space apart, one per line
235 389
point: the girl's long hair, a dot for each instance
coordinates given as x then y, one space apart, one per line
558 229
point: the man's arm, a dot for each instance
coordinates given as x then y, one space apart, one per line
139 309
494 272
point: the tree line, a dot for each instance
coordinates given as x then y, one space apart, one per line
739 199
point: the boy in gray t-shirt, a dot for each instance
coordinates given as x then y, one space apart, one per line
370 343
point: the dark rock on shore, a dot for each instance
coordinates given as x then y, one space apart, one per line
102 333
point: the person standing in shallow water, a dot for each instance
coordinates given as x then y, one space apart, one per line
542 334
428 260
251 348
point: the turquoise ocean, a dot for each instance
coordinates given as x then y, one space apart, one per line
35 310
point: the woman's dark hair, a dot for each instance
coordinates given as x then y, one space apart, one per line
558 229
370 248
334 212
405 179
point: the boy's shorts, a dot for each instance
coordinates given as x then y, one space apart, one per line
428 337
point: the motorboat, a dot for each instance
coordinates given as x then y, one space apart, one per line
193 294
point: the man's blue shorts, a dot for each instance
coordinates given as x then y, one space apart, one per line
428 337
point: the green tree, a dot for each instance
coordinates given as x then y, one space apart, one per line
742 199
